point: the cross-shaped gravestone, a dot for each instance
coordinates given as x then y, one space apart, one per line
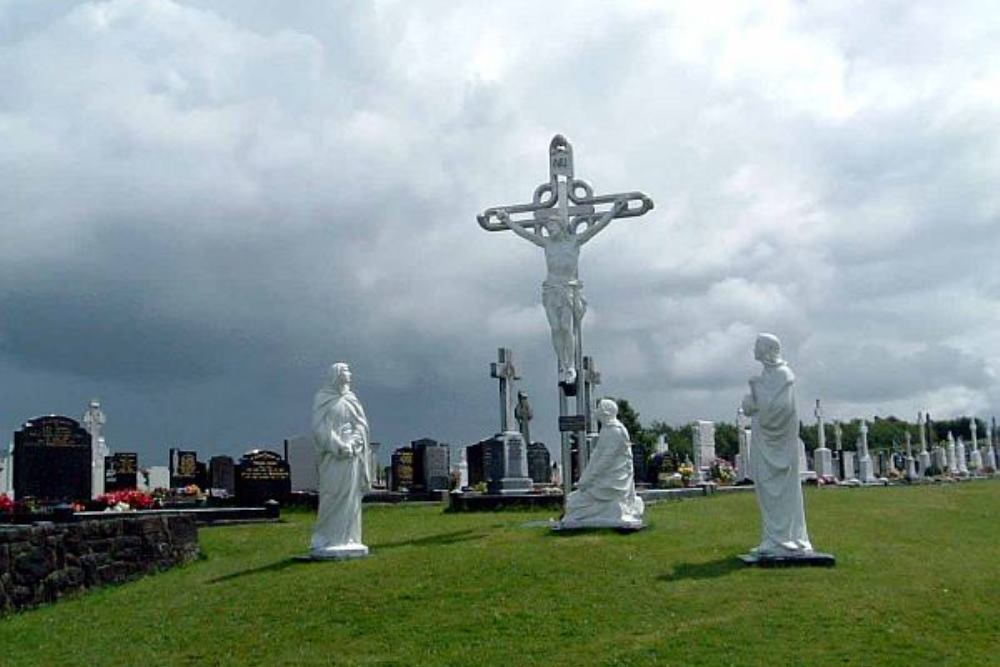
820 430
503 369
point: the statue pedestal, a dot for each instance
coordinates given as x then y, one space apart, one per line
823 463
339 552
515 479
805 559
585 524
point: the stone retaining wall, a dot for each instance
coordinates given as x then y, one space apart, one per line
47 561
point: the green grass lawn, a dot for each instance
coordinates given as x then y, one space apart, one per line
916 583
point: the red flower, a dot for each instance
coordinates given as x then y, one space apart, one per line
6 504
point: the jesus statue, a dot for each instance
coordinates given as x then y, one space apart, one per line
562 291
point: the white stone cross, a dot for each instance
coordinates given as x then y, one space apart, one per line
503 369
820 431
563 215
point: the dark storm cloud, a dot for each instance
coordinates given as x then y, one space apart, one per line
202 204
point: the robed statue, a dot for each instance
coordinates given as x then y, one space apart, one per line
341 435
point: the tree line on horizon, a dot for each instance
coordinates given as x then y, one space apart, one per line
884 433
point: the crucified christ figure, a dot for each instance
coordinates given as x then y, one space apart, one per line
562 291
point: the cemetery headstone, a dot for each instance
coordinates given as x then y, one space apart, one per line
822 456
52 460
262 475
222 474
703 444
93 421
401 470
431 464
486 461
121 471
539 463
183 468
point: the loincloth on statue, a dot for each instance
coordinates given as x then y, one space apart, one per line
564 295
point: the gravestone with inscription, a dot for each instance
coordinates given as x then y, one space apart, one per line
486 461
183 468
121 471
539 463
401 470
52 460
222 474
262 475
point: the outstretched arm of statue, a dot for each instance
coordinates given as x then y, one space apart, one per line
602 222
519 229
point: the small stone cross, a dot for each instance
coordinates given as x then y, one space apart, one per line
503 369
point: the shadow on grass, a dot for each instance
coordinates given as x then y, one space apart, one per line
709 570
429 541
453 537
270 567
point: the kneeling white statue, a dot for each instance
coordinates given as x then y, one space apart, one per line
605 496
340 433
774 456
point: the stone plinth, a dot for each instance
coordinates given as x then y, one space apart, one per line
807 559
823 462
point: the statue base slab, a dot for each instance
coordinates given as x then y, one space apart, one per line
807 559
566 525
340 552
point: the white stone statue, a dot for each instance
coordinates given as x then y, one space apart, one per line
562 291
605 496
774 451
341 434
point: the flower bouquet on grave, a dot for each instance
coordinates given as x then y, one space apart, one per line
686 471
6 504
722 471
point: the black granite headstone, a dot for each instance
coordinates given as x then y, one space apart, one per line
222 474
539 463
430 462
183 468
401 470
121 471
262 475
485 460
52 460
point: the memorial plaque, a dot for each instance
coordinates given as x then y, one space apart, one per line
573 423
121 471
183 468
401 469
262 475
539 463
52 460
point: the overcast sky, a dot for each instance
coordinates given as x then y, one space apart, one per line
204 204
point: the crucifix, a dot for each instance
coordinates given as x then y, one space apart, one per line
563 215
503 369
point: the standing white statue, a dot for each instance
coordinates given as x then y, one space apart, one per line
605 496
774 452
341 434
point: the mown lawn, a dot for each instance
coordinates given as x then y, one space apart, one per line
916 583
